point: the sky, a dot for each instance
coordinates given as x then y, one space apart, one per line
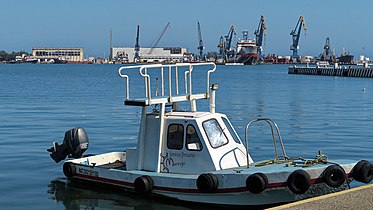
87 23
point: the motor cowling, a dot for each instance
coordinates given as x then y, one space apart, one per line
74 144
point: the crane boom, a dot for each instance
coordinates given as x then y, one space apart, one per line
225 44
260 35
228 38
137 45
159 37
200 44
296 35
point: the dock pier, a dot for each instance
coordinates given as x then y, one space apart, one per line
355 198
340 71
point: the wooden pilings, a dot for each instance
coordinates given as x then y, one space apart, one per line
344 71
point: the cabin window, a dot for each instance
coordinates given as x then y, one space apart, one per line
192 140
214 133
231 130
175 136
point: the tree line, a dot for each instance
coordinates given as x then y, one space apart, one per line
5 56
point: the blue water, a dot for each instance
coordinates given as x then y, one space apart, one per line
38 103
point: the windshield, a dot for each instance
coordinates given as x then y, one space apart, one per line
214 133
231 130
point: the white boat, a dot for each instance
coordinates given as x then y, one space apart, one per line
197 156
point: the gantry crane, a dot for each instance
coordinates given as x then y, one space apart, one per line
159 38
260 35
296 35
137 46
200 43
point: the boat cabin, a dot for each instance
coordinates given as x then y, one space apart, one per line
186 142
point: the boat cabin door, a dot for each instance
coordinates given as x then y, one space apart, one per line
183 150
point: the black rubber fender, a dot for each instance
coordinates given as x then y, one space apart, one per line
69 169
334 175
299 181
256 183
363 171
143 184
207 183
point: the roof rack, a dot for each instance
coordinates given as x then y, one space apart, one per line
170 90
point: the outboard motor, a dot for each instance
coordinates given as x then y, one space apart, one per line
74 144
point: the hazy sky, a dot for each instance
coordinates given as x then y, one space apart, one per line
87 23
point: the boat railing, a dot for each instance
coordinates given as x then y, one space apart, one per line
170 86
273 126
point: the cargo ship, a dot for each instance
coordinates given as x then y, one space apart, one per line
247 50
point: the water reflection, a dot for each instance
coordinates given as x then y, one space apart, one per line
81 195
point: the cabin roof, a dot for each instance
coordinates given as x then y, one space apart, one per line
187 114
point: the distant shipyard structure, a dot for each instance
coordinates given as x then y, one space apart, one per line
58 54
152 54
148 55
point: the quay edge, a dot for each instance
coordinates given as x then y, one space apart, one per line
341 71
356 198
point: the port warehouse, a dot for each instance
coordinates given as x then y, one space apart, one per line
68 54
149 55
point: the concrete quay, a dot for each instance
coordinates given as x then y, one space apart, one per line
356 198
346 71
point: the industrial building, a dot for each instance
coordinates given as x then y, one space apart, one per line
62 54
148 55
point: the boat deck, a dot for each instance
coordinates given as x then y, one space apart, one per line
115 165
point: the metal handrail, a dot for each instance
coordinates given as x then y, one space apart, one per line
143 71
271 125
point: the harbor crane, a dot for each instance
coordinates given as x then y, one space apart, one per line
228 40
225 44
296 35
260 35
137 46
159 38
200 43
221 46
328 54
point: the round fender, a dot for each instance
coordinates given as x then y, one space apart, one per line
334 176
299 181
69 169
256 183
143 184
207 183
363 171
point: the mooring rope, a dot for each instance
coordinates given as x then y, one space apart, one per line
297 162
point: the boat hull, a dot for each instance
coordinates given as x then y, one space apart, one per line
231 190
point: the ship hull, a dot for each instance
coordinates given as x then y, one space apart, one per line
248 59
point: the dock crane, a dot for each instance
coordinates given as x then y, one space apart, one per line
221 46
328 54
296 35
260 33
225 44
137 46
228 40
200 43
159 38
